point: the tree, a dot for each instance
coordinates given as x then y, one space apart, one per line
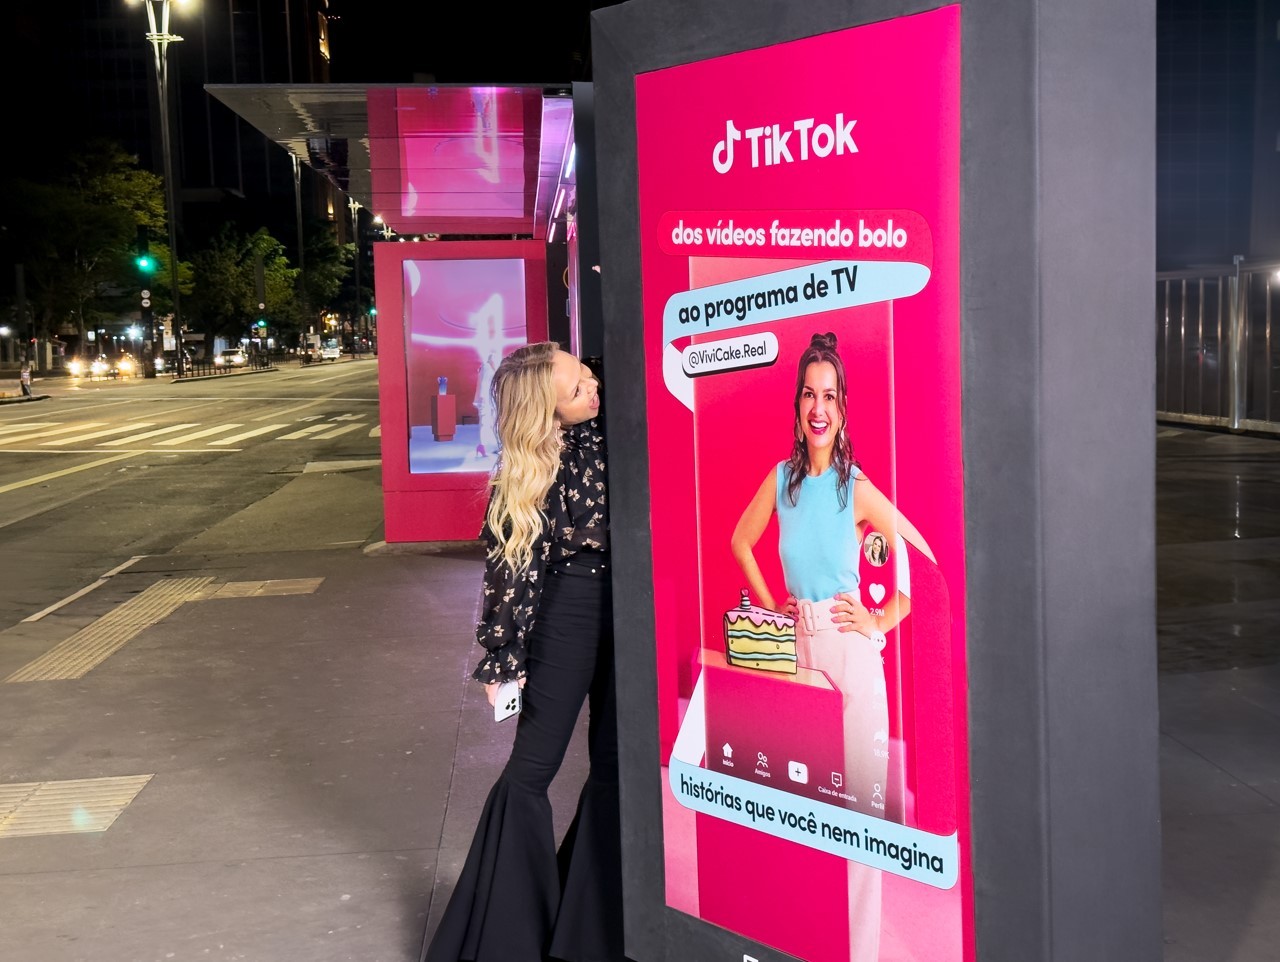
223 288
225 298
75 234
328 265
346 301
70 251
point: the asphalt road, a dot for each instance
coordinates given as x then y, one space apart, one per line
102 472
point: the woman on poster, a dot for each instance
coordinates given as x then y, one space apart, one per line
825 505
546 621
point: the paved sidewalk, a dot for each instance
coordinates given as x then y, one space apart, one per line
315 760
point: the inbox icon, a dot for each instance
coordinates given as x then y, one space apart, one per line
798 772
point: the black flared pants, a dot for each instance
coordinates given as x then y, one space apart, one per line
517 899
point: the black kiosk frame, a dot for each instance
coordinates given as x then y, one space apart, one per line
1056 174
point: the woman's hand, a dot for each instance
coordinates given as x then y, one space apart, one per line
850 614
791 607
491 690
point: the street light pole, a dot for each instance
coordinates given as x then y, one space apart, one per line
302 245
355 237
160 38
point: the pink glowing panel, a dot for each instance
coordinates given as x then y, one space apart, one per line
447 504
464 316
733 244
446 156
469 159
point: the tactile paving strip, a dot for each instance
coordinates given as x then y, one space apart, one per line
259 589
94 643
60 808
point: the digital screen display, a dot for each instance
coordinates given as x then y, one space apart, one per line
799 224
462 318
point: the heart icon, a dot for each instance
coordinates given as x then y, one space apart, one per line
876 592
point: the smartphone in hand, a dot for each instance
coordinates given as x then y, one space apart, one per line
508 701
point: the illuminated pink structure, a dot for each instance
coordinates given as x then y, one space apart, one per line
480 162
453 307
478 183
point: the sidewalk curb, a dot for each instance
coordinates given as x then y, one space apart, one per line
19 399
419 547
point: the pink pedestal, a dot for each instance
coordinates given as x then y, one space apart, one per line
444 416
750 881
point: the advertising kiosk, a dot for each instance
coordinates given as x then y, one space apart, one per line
836 307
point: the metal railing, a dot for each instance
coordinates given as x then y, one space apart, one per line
1217 362
208 368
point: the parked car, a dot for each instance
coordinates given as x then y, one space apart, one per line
231 358
168 361
102 366
123 365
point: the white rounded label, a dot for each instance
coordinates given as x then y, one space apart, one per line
729 354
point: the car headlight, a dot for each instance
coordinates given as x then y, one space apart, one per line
99 367
218 360
159 364
76 368
126 366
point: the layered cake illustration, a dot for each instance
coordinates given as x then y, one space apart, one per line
756 637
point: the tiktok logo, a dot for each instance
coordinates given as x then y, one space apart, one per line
771 144
722 156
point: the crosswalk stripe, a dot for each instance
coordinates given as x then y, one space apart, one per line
44 434
337 431
294 435
249 434
62 437
199 434
95 434
148 434
14 428
62 474
296 407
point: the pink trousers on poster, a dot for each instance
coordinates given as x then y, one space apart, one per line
852 662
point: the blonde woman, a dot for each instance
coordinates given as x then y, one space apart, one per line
545 620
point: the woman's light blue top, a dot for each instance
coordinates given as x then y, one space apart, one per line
817 539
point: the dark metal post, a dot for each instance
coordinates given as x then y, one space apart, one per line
160 40
355 239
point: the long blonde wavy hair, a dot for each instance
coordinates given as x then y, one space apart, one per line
524 397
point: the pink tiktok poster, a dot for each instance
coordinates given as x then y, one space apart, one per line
799 218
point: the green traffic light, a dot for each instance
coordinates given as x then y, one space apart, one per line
145 263
372 311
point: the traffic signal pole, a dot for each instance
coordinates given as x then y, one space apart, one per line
146 268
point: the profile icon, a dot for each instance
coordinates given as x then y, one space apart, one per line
875 548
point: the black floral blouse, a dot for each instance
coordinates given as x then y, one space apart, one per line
577 522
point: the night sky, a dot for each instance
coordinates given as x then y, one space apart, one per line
461 43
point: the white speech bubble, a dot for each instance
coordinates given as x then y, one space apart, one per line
729 354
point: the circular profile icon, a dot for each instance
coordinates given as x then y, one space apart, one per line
875 548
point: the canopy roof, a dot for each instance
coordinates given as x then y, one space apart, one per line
428 158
